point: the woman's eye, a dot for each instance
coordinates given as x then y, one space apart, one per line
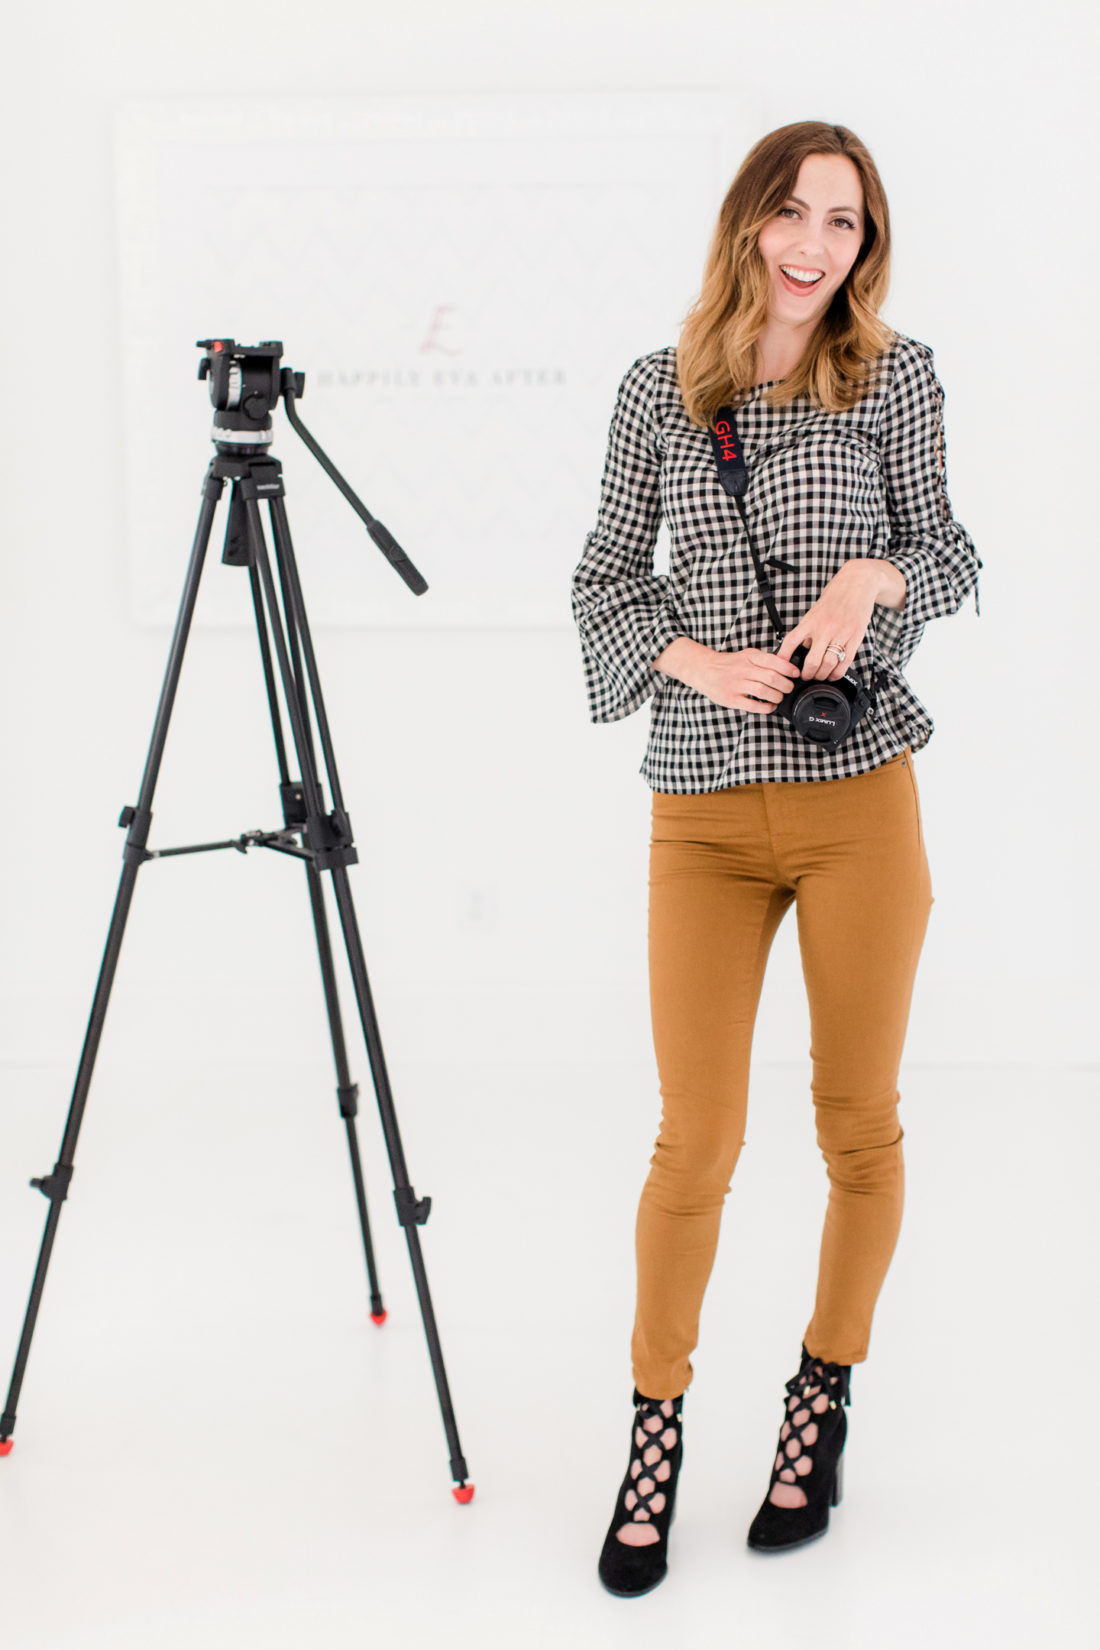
847 222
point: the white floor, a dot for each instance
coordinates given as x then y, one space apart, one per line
215 1446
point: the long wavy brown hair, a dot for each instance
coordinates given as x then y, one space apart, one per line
716 354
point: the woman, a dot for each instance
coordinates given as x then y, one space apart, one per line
840 420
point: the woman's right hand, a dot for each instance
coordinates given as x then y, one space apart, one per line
747 680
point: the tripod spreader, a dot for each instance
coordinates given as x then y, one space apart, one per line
332 831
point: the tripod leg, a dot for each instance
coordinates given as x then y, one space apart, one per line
336 854
347 1092
411 1211
55 1186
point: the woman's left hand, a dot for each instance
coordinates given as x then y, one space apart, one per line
840 616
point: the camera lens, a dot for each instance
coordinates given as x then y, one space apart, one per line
821 713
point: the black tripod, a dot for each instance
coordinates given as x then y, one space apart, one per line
245 385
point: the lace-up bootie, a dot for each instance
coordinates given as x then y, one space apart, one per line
811 1442
656 1451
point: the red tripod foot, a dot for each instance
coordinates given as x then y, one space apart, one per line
6 1446
463 1493
378 1317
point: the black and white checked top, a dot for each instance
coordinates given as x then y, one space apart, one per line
823 487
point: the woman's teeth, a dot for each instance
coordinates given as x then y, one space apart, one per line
806 279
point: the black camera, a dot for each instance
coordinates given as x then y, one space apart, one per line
824 712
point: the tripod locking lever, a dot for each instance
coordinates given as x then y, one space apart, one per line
411 1211
55 1186
139 820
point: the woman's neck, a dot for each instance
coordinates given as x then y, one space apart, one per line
779 349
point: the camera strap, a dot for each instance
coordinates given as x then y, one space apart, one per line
733 473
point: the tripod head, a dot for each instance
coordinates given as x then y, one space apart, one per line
245 385
246 382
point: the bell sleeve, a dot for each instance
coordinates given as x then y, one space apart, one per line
933 550
623 611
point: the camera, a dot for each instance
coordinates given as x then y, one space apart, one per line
824 712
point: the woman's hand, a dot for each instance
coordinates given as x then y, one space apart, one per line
841 615
748 680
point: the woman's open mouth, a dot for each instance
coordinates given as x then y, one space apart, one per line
810 278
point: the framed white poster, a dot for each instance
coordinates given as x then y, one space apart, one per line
462 279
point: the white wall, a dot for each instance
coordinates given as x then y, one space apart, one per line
502 837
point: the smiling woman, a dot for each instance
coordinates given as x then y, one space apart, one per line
839 432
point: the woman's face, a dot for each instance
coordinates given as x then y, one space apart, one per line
817 231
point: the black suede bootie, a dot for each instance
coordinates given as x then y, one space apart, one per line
656 1439
816 1398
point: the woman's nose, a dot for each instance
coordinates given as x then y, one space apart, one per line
813 240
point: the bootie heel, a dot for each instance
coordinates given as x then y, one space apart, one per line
811 1445
656 1444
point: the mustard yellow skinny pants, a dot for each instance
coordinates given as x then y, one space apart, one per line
724 868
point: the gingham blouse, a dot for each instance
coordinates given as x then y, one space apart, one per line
823 487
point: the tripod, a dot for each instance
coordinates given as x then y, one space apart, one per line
246 383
